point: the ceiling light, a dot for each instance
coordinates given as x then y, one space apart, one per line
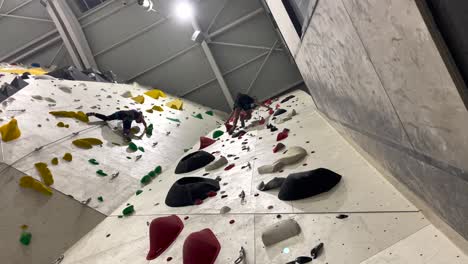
184 10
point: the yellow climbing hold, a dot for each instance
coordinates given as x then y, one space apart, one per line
45 173
158 108
10 131
30 182
70 114
155 94
60 124
54 161
139 99
149 111
87 143
68 157
32 71
176 104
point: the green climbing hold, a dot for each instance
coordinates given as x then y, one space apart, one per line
129 157
100 199
132 146
217 133
141 149
149 130
93 161
158 169
185 150
128 210
146 179
25 238
152 174
173 119
138 192
199 116
101 173
210 113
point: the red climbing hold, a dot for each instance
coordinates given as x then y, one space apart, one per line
198 201
262 121
282 135
277 106
228 126
201 248
271 111
230 166
268 102
162 232
212 194
205 142
278 147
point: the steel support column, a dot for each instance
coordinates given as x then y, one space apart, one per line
71 33
214 66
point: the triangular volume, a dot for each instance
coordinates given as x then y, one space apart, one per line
201 248
205 142
163 232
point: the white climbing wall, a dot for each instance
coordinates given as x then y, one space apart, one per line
58 221
382 226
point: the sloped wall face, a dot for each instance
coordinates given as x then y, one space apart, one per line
376 74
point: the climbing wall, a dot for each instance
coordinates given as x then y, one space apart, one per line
362 219
90 181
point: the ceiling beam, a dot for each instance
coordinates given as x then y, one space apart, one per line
71 33
243 45
236 23
214 66
261 67
27 18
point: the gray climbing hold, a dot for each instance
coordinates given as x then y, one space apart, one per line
272 184
291 156
48 99
217 164
280 231
65 89
37 97
225 210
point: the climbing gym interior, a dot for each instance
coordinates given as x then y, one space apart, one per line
232 132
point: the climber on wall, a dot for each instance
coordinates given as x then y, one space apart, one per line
243 107
127 116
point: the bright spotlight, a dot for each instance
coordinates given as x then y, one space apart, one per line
184 10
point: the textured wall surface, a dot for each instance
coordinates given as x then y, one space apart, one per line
375 72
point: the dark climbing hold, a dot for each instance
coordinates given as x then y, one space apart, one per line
194 161
228 126
145 180
199 116
128 210
232 221
230 166
303 260
239 133
210 113
100 199
224 196
309 183
279 112
282 135
25 238
186 218
186 191
217 134
132 146
201 248
272 184
138 192
205 142
278 147
315 252
169 259
273 129
289 97
101 173
141 149
342 216
163 232
93 161
149 130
